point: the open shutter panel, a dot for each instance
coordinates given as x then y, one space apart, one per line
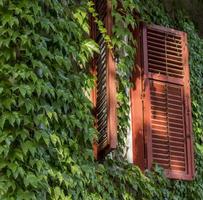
167 106
105 90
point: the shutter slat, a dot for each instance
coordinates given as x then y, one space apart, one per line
166 51
164 54
167 44
164 38
165 47
162 34
165 60
162 64
162 156
161 122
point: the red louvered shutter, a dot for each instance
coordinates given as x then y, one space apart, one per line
167 121
167 112
104 95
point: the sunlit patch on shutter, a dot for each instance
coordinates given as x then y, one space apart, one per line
165 53
167 125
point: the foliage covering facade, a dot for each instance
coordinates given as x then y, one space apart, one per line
46 125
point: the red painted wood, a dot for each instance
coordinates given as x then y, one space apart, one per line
146 101
165 30
110 141
111 82
167 118
137 107
188 110
165 78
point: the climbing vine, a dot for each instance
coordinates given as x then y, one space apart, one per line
46 124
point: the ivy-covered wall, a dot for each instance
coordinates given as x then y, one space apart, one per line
193 8
46 124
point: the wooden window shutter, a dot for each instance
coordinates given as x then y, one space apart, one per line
104 94
165 86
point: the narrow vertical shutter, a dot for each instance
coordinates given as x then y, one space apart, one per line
167 104
105 89
136 106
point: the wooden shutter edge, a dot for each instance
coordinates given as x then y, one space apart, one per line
93 72
111 95
111 82
164 29
146 101
100 152
136 105
178 175
188 111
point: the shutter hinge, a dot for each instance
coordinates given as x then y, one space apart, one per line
140 34
187 104
142 95
145 163
188 135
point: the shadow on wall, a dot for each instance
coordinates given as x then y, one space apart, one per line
193 7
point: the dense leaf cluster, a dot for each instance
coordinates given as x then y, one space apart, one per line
46 124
